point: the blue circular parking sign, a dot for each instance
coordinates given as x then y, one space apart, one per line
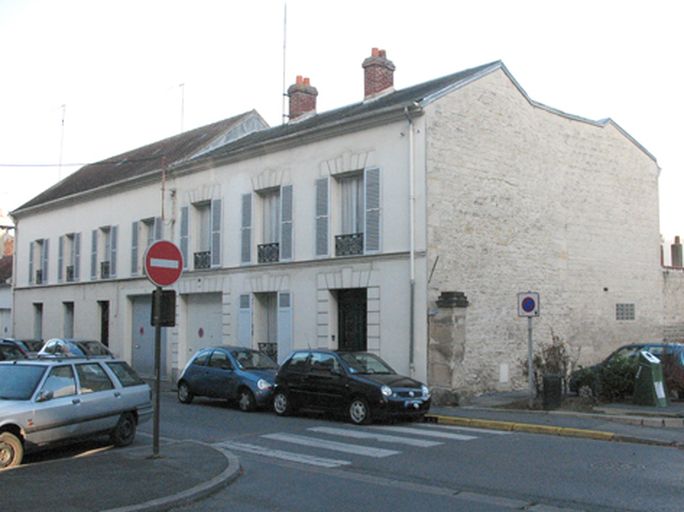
528 304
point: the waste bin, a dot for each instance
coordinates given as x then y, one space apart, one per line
649 384
552 391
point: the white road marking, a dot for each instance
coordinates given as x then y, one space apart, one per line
360 434
427 433
365 451
467 429
283 455
164 263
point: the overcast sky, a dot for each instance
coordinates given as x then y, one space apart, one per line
114 69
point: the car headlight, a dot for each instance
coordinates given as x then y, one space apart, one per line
425 390
263 385
386 391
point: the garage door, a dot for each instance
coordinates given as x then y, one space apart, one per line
205 321
143 338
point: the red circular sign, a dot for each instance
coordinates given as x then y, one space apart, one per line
163 263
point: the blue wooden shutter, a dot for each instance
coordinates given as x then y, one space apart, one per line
286 207
246 229
93 254
77 256
30 258
322 217
46 260
60 259
245 321
134 248
372 205
112 258
284 325
158 229
216 233
184 235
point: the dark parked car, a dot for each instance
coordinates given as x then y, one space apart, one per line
28 347
43 402
357 384
10 351
234 373
60 347
670 354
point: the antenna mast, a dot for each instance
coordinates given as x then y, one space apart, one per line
61 145
284 118
182 88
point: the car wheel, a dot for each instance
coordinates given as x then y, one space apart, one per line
11 450
124 432
359 412
185 396
281 404
246 401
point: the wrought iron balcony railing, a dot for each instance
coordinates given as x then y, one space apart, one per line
202 260
70 273
269 253
104 270
349 245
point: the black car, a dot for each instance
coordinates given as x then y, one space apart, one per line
66 347
359 385
10 351
28 347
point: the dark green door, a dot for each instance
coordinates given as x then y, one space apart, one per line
352 319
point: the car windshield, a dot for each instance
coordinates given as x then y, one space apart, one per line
18 382
253 360
362 362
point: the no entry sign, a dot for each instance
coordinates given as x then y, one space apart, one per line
163 263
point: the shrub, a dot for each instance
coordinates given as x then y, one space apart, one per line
616 379
550 359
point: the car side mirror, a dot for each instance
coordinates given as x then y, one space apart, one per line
44 396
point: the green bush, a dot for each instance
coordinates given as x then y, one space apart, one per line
616 379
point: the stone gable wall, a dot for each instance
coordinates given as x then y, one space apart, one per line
521 198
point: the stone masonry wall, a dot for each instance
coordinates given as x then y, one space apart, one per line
521 198
673 287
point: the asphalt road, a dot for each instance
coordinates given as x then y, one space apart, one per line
311 463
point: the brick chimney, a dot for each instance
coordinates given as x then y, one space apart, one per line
302 97
378 73
676 253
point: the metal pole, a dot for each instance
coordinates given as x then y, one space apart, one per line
530 374
157 369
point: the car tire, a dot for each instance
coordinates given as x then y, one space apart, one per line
11 450
359 411
185 396
281 404
246 401
124 432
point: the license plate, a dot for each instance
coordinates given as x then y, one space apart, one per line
413 404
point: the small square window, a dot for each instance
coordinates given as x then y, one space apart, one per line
624 312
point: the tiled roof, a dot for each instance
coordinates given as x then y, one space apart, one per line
138 162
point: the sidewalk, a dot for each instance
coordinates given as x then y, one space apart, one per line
613 422
121 480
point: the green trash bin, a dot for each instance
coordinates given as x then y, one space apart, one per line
649 385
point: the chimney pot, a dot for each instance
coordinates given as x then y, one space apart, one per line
302 97
676 253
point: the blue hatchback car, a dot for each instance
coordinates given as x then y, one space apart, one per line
239 374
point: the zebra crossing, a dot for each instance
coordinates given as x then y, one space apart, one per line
374 442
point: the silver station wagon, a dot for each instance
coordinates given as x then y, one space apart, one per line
46 401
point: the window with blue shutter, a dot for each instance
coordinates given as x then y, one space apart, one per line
184 235
216 233
32 246
112 246
46 261
134 248
93 254
158 229
77 256
245 321
284 325
372 206
322 217
60 259
286 206
246 229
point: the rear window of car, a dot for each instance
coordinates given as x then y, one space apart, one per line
10 352
93 378
125 374
18 382
298 361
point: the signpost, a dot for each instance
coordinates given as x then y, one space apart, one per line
528 306
163 267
